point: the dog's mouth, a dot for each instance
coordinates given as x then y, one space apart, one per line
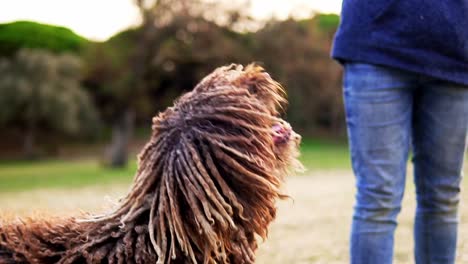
281 133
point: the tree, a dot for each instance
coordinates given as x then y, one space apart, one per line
25 34
140 71
41 91
300 60
111 81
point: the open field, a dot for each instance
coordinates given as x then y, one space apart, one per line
312 226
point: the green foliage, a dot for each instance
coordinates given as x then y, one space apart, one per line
124 38
142 70
108 74
328 22
146 68
40 90
297 54
32 35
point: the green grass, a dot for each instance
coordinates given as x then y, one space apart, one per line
324 155
20 176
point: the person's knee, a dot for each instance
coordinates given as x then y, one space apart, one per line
440 201
437 186
378 205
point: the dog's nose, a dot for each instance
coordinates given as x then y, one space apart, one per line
281 133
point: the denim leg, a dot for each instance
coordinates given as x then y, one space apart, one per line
439 141
378 103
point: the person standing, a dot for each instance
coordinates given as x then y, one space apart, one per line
405 86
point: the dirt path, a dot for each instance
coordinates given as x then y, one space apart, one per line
312 227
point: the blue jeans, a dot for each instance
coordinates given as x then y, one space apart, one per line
387 111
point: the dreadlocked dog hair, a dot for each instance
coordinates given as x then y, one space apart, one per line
204 191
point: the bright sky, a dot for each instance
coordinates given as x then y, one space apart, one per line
100 19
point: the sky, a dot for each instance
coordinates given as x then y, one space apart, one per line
85 17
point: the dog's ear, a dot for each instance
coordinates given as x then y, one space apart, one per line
267 90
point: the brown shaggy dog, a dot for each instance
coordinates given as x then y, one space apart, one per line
204 191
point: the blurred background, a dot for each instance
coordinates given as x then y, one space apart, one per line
84 79
81 80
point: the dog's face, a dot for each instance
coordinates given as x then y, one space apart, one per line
286 143
216 161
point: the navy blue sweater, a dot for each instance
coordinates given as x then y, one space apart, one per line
422 36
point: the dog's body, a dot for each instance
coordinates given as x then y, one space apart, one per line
205 187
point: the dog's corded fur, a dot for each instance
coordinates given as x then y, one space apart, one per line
205 187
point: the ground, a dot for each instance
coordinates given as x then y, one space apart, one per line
311 227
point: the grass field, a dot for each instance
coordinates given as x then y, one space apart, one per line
20 176
311 227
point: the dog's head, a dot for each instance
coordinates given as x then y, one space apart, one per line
212 170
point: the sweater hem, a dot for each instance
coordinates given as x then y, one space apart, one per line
429 63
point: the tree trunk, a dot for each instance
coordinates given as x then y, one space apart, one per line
122 132
29 149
